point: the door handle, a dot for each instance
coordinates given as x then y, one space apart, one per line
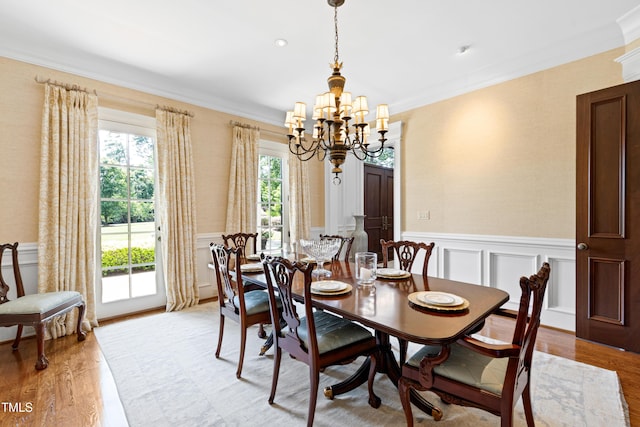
582 246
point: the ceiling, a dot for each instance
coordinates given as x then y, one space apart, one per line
222 55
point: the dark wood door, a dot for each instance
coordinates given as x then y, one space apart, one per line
608 216
378 205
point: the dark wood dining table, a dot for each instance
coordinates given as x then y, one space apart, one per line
385 308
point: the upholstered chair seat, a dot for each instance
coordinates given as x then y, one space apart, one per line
255 302
38 303
333 332
467 366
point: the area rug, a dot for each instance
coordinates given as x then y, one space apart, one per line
167 375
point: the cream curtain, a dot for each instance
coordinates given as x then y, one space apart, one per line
177 209
299 196
68 201
243 181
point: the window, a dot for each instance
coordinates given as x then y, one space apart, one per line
273 210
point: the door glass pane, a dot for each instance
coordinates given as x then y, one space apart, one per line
127 215
270 204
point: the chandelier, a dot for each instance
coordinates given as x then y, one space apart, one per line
340 125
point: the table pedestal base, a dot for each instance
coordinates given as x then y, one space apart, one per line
385 364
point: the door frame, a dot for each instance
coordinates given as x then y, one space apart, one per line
129 122
344 200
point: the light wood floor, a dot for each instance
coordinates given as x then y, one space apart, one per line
77 388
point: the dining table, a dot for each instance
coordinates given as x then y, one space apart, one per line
392 307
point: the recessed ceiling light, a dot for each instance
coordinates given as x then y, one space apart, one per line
281 42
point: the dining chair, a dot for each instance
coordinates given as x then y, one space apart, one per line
247 307
34 309
317 338
346 243
406 253
474 373
245 241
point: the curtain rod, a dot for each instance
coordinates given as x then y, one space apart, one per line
66 86
174 110
247 126
243 125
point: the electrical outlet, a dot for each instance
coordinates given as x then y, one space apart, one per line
424 215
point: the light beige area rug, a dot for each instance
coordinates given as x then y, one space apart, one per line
167 375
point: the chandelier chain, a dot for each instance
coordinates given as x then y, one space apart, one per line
335 22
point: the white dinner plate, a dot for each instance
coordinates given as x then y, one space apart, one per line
253 257
391 272
251 268
328 286
444 299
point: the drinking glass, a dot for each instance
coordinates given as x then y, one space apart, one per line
366 265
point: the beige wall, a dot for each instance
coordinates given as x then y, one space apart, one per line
497 161
20 123
500 160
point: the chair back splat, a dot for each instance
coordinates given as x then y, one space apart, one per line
474 373
314 337
406 253
35 309
245 241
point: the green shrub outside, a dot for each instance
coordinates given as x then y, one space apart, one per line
120 257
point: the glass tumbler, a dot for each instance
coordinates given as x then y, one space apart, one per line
366 265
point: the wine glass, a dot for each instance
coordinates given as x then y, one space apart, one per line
322 251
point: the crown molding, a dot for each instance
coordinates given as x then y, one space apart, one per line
630 25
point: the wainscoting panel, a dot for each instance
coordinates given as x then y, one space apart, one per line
463 265
500 261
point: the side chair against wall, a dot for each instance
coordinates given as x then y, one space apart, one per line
318 339
345 246
34 309
247 307
245 241
405 252
487 376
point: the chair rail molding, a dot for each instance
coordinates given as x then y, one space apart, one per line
500 261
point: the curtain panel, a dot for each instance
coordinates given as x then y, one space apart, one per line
68 201
177 209
300 203
243 182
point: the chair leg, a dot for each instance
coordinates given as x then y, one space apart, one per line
277 355
220 332
14 346
374 401
261 331
314 377
81 334
243 343
405 398
526 402
42 361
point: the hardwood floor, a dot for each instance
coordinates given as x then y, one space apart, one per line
77 388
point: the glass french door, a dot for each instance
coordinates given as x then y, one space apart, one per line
273 223
130 270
